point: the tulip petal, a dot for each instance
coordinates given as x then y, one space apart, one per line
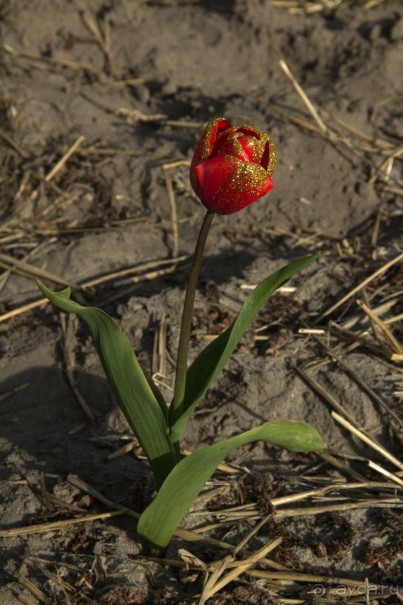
227 184
246 144
234 144
210 134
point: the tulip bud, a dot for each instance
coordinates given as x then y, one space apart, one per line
232 166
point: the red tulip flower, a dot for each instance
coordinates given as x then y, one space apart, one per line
232 166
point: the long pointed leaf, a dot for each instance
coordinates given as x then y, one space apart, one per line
213 358
134 393
159 521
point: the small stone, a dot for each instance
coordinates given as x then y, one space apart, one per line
141 92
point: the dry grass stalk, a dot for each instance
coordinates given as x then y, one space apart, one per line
386 165
103 38
14 271
63 160
363 284
54 230
291 576
386 473
109 277
184 534
286 579
250 509
56 502
373 3
339 133
55 525
282 577
342 466
122 451
316 578
313 242
23 309
239 567
318 509
184 124
208 494
328 397
191 561
33 589
363 385
68 331
311 7
395 319
367 439
251 533
350 423
226 517
49 575
392 341
355 339
159 357
374 142
14 391
395 190
10 269
279 579
376 229
214 577
303 96
25 600
137 280
380 310
308 7
252 516
136 269
336 487
174 213
66 588
294 119
47 60
13 144
135 115
34 272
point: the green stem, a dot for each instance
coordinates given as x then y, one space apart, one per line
184 339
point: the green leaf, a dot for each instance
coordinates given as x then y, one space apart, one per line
134 392
159 521
209 363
